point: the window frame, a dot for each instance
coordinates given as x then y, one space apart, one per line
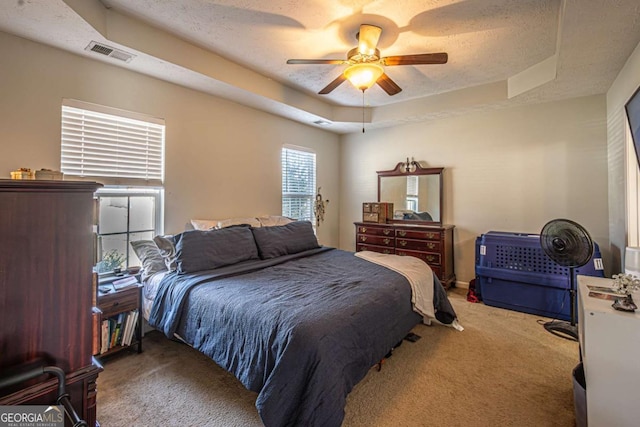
309 198
113 191
132 146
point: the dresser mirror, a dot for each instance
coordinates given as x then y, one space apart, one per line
416 193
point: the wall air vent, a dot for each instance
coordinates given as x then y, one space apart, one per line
109 51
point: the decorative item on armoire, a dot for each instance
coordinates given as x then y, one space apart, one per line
318 207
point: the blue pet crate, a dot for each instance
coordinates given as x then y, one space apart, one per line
514 272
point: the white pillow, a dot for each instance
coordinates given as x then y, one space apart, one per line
204 224
274 220
236 221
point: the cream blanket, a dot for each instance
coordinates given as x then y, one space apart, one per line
417 272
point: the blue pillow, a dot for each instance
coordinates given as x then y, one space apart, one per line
286 239
198 250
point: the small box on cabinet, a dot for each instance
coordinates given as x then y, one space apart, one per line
377 212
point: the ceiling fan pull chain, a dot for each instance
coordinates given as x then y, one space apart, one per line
362 110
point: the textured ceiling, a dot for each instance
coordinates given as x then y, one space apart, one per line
501 52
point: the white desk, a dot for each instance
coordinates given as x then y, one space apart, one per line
610 349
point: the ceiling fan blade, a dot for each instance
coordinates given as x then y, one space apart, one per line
388 85
316 61
424 58
334 84
368 39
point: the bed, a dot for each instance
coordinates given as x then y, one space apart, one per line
298 323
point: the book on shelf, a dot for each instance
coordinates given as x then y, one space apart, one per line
127 328
118 330
132 321
105 337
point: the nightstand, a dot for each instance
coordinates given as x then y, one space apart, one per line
119 324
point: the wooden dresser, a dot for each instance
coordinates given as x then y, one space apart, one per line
432 244
46 295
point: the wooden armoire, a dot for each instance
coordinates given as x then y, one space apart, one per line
46 291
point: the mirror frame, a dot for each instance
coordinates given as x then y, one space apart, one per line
410 169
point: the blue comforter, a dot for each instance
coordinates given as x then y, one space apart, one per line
301 330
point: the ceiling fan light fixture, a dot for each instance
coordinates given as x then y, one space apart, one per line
363 75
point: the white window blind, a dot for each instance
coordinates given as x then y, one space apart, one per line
298 183
120 148
412 185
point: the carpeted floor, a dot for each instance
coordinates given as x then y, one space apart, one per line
504 369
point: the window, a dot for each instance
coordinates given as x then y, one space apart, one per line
124 151
412 193
125 215
298 183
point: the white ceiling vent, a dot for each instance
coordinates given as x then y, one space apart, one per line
109 51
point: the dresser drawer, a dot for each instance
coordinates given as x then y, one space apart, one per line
429 258
418 245
380 249
118 302
413 234
378 231
375 240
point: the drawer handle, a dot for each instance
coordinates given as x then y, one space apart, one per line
431 245
402 243
431 258
386 232
115 304
363 238
402 233
401 253
363 229
386 251
432 236
386 241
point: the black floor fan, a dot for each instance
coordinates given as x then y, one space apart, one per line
568 244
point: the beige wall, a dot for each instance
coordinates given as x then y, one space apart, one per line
621 90
505 170
222 159
509 170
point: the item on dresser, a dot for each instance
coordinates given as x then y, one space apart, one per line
22 173
625 303
431 243
377 212
294 325
48 174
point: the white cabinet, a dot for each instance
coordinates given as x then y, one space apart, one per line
610 350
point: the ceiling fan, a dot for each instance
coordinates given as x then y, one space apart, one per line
366 65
